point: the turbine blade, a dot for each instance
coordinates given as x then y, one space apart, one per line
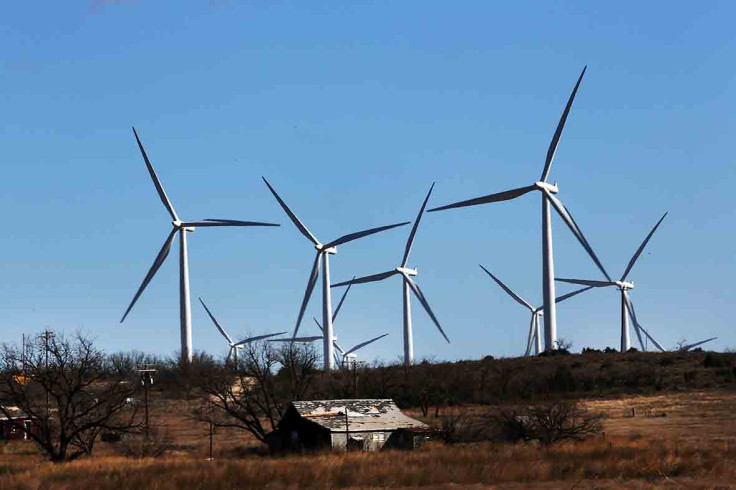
323 331
291 215
635 324
641 248
638 336
516 297
363 344
499 196
339 305
420 296
313 275
562 298
298 339
360 234
413 233
160 258
156 181
337 359
570 222
259 337
530 338
319 325
364 279
688 347
558 132
225 222
342 352
586 282
214 320
632 315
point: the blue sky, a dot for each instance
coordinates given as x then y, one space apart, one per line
352 110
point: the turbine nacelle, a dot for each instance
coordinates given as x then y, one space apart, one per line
407 271
625 285
321 248
179 225
546 185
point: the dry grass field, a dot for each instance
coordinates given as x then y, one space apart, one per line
683 440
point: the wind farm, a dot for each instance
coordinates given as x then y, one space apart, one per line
490 174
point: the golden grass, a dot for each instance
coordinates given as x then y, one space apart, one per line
693 446
600 461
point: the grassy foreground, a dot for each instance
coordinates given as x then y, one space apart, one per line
598 463
669 441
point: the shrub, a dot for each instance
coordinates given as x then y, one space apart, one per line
549 423
714 360
145 445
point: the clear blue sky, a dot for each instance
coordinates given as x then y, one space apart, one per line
352 111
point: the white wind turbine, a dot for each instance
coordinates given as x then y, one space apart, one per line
323 255
181 228
548 190
234 346
627 307
348 356
408 285
534 338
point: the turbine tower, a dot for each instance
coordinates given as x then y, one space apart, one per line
548 190
534 339
627 308
180 228
234 346
323 256
407 285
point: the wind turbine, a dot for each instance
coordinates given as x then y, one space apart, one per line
548 190
627 307
408 285
181 228
348 356
234 346
534 337
323 255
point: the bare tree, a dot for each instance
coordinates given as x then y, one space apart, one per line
564 344
549 423
69 389
254 394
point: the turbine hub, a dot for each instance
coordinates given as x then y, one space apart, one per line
176 223
321 248
546 185
408 272
625 285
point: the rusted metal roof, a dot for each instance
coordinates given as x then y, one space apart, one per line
362 415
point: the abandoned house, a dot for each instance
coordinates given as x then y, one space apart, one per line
367 425
11 428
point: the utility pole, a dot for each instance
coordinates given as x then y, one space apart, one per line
146 372
347 430
212 433
46 335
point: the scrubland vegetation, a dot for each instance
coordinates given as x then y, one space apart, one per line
604 463
593 419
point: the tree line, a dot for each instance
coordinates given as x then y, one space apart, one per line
74 392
